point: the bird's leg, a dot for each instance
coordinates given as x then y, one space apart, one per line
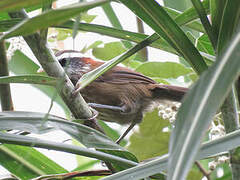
103 106
123 109
125 133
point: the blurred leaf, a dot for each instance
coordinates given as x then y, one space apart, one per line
7 24
51 17
150 140
110 132
229 24
109 51
204 45
63 34
83 162
92 75
158 164
40 123
217 9
26 162
163 69
191 14
87 17
35 142
112 17
180 5
125 155
20 64
195 115
93 45
84 166
154 15
13 5
29 79
195 174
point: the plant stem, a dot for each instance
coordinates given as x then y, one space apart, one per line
231 121
5 93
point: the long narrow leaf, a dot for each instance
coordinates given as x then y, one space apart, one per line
29 79
195 115
208 149
26 162
154 15
38 123
13 5
92 75
35 142
51 17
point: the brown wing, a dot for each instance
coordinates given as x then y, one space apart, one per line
120 75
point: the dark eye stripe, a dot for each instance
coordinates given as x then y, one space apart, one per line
63 62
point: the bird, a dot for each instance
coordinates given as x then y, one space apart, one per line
120 95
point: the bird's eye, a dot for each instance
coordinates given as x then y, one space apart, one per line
63 62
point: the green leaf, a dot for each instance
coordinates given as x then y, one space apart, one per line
150 140
35 142
154 15
113 32
20 64
92 75
87 17
51 17
195 113
156 165
13 5
205 22
204 45
229 24
163 69
92 46
26 162
40 123
217 9
112 17
191 14
29 79
109 51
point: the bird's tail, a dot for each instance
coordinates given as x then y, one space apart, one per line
168 92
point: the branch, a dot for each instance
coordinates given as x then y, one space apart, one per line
231 121
76 104
5 93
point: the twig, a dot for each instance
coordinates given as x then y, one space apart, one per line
205 173
70 175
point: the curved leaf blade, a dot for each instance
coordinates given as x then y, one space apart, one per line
35 142
29 162
29 79
13 5
208 149
195 115
40 123
51 17
155 16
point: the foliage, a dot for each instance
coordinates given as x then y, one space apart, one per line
208 54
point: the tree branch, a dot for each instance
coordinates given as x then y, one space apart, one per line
76 104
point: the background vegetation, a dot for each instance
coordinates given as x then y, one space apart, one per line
206 37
